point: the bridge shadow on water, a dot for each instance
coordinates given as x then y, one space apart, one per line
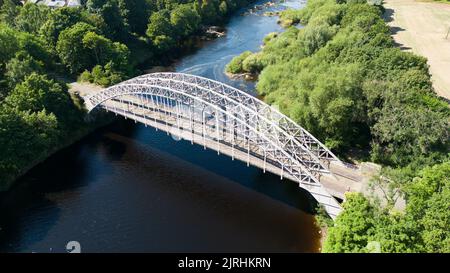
128 188
158 142
221 195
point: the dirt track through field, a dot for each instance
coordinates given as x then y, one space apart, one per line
422 27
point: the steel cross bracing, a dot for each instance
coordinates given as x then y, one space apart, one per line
265 131
294 130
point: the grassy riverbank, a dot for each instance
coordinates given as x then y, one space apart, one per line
343 78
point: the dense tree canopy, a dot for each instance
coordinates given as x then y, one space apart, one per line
160 30
36 116
80 48
21 66
31 17
423 227
342 78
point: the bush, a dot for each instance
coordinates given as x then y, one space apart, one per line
235 66
252 63
342 79
104 76
423 227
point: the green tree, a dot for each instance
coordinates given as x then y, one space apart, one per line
12 41
8 12
114 13
37 93
160 30
71 51
208 10
422 227
63 18
31 17
24 137
352 227
8 45
436 221
236 64
99 45
432 180
184 20
21 66
81 47
138 13
397 233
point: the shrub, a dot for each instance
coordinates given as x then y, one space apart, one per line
235 66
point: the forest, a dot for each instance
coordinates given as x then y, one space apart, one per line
101 42
340 75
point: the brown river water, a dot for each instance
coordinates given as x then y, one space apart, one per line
128 188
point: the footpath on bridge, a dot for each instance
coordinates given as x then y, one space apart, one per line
342 178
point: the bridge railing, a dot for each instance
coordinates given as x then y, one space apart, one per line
295 150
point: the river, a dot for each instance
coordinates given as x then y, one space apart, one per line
128 188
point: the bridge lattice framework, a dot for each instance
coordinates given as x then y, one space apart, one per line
232 118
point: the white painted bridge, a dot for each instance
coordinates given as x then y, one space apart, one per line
230 121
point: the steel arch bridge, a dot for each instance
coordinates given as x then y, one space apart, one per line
227 120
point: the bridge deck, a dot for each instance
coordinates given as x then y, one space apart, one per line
166 118
232 122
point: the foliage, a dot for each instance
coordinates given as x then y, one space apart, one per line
114 14
184 20
343 80
171 21
423 227
31 17
80 48
353 227
35 117
24 136
104 76
235 66
21 66
160 30
8 12
37 93
64 18
38 44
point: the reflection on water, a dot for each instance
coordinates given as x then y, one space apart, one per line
128 188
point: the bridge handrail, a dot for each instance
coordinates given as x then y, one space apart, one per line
243 105
255 101
134 85
313 157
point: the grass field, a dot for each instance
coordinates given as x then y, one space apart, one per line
422 27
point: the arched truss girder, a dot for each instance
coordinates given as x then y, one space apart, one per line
298 141
263 109
262 131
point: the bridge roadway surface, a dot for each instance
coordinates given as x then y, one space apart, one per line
177 122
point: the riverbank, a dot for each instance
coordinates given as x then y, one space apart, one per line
344 79
295 67
140 48
101 121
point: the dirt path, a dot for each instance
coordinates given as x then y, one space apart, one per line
83 88
422 28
